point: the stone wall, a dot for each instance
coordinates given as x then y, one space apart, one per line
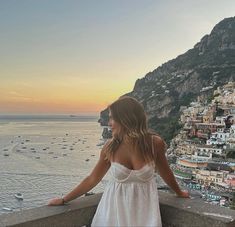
175 212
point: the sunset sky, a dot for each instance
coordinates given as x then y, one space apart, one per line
77 56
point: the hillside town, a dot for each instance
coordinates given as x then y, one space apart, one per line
204 150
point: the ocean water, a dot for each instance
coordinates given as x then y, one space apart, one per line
43 157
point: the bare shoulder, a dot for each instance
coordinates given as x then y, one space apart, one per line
159 144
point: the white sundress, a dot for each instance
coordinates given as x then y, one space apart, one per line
129 199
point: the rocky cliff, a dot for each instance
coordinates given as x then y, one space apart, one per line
209 64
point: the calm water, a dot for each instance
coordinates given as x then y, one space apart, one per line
45 156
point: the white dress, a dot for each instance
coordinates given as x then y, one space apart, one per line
129 199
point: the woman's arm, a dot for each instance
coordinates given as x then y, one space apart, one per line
164 169
87 184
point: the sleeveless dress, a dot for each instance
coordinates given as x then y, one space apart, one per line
129 199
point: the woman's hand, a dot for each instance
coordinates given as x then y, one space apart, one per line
56 202
183 194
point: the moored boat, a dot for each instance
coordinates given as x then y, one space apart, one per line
19 196
7 209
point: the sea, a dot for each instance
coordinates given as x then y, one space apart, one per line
45 156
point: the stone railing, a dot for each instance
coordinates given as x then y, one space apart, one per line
175 212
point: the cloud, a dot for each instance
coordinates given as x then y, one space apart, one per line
17 96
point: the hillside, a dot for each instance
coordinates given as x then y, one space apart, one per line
209 64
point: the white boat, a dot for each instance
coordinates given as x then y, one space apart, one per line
7 209
100 144
19 196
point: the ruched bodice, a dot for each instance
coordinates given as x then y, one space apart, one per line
129 199
122 174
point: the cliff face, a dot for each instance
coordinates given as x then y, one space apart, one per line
210 63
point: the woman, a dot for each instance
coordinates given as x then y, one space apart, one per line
132 155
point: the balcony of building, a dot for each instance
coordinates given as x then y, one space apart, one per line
175 212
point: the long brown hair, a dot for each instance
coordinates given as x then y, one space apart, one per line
130 114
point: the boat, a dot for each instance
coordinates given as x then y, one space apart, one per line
7 209
19 196
89 193
100 144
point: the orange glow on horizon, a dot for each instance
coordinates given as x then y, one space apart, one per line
61 93
16 107
54 106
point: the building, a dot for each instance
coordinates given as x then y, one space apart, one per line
208 177
209 149
192 162
218 138
185 149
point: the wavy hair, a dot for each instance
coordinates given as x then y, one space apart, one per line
130 114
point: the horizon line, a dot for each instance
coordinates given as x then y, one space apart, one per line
52 114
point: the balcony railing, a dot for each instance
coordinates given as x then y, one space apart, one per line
175 212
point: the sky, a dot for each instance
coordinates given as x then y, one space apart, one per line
78 56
